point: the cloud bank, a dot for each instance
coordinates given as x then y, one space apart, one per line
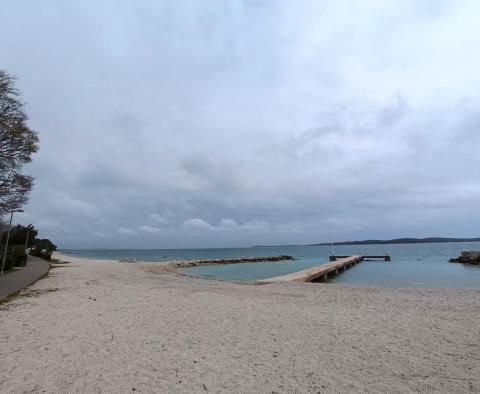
188 124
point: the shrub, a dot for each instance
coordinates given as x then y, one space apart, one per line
18 255
9 262
43 248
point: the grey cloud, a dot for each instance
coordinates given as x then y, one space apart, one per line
126 231
158 219
221 176
180 124
151 229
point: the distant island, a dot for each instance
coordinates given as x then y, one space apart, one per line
428 240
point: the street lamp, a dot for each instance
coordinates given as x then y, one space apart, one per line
8 238
29 227
331 237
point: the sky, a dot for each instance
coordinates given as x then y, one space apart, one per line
184 124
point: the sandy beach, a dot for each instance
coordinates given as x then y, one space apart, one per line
109 327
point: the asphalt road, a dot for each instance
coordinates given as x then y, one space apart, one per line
13 281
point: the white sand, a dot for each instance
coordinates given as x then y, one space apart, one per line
114 327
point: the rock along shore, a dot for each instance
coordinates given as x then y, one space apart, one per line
259 259
469 257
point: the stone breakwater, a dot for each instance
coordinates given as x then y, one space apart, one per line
470 257
260 259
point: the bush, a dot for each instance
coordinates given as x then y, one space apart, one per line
43 253
9 262
16 257
43 248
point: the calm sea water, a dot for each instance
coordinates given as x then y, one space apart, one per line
412 265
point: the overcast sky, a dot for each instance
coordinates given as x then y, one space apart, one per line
171 124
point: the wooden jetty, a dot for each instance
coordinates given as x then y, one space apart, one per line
337 265
371 257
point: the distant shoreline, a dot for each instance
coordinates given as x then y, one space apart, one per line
396 241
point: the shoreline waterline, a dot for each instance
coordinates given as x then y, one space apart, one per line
412 265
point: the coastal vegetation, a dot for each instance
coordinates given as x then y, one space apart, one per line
18 142
428 240
395 241
43 248
20 235
23 238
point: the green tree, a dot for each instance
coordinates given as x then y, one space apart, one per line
43 248
18 235
45 244
17 144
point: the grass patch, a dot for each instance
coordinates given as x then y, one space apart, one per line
8 299
58 262
36 293
23 294
53 266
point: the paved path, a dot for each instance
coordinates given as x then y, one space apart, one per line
17 280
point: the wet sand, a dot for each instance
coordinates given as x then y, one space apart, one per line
109 327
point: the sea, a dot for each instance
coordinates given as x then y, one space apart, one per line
412 265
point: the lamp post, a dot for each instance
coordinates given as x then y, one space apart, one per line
29 227
331 237
8 238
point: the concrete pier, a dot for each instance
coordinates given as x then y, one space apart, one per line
318 272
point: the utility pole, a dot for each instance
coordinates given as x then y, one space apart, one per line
8 238
331 237
29 227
